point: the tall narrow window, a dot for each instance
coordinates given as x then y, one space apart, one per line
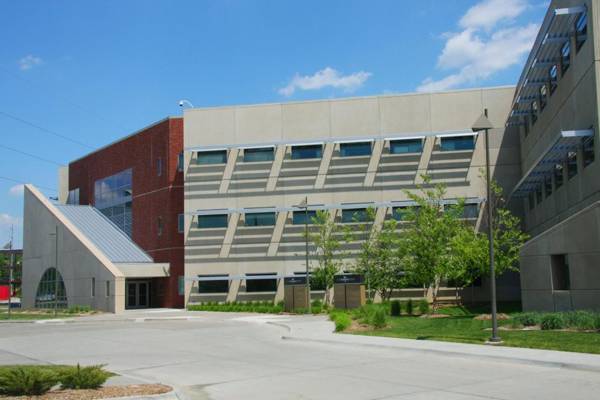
553 77
534 112
159 166
181 285
588 151
107 288
548 186
571 164
543 96
180 162
559 176
565 57
93 287
581 30
180 223
561 279
159 226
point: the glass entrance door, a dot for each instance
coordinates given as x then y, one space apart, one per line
138 294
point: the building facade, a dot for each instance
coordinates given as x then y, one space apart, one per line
556 109
247 168
137 183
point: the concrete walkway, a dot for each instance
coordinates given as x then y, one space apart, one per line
242 356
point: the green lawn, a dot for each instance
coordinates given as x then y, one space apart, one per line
461 327
20 315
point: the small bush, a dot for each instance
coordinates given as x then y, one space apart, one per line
78 309
410 307
552 321
78 377
379 319
424 307
527 319
341 320
27 381
395 308
584 320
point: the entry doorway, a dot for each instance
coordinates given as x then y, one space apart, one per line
137 294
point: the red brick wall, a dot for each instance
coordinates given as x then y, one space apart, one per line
153 196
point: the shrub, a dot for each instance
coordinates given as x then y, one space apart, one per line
527 319
552 321
78 377
27 381
379 318
410 308
341 320
78 309
424 306
580 319
395 308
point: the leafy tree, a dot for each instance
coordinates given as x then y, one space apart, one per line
325 237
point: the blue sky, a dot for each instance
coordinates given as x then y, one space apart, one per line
95 71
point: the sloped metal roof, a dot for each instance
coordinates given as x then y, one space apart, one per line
112 241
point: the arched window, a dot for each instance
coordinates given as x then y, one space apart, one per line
51 290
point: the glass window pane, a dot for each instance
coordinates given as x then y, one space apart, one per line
213 286
457 143
259 219
309 151
354 215
571 164
558 175
406 146
212 157
355 149
261 285
212 221
261 154
471 211
180 223
299 217
588 151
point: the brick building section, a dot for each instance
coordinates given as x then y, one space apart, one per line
154 196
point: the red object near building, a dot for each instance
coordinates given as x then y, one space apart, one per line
153 155
4 293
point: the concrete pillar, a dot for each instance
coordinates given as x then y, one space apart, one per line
373 163
229 234
231 160
276 168
277 233
324 167
428 144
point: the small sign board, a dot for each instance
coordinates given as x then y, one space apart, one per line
348 279
294 280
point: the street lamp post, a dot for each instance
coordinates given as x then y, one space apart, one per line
305 205
484 124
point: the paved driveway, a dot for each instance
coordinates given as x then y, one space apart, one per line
234 356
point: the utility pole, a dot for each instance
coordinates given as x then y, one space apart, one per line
306 254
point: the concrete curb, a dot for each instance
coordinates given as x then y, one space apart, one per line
172 395
548 358
74 320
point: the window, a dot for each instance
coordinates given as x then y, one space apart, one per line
216 284
471 211
456 143
212 221
159 166
581 30
260 285
259 219
547 186
73 197
180 223
51 290
406 146
181 285
534 112
571 164
553 77
307 151
561 279
93 287
159 226
112 196
588 151
355 149
299 217
354 215
399 213
259 154
531 200
538 194
107 288
558 176
180 162
211 157
565 57
543 96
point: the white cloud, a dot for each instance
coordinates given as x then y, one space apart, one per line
482 49
7 220
323 78
488 13
16 190
29 61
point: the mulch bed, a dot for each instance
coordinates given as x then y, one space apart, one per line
102 393
487 317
